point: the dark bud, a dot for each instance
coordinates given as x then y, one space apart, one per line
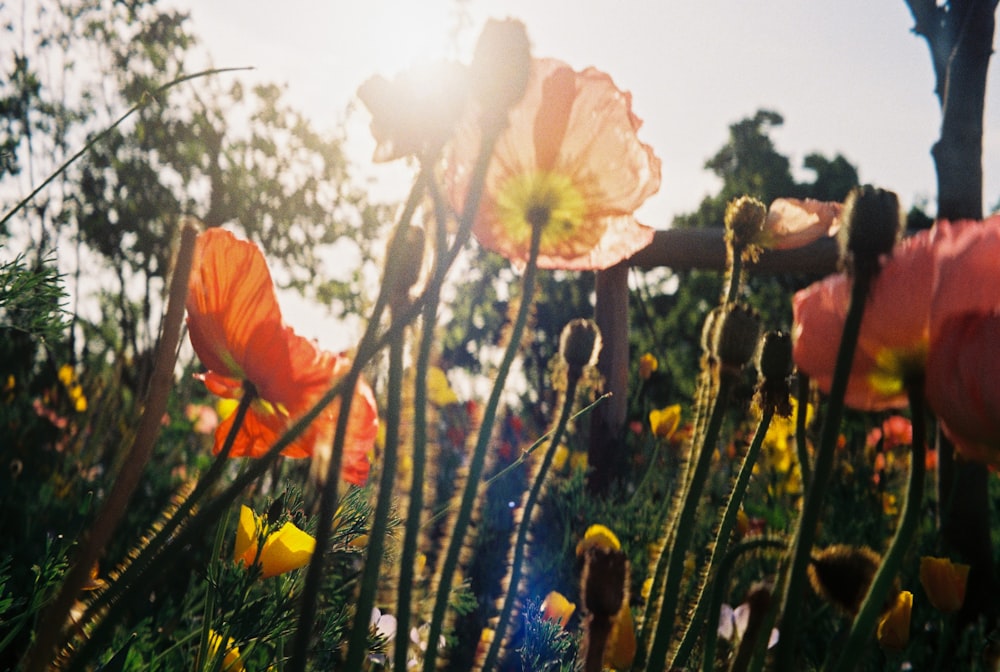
736 336
873 223
579 345
841 574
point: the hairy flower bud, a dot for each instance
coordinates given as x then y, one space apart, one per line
842 574
775 366
873 223
500 68
776 355
579 345
736 336
744 219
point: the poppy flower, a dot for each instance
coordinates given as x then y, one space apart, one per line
231 661
894 627
236 328
794 222
417 110
961 384
944 582
665 421
570 162
930 277
284 549
556 608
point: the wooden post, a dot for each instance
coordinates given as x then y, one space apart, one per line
680 249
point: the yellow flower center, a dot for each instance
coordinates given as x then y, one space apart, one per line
893 368
545 199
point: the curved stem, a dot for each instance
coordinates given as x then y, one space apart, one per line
685 528
806 531
522 533
721 542
478 460
864 622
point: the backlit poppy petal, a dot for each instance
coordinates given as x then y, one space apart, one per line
232 309
961 384
237 332
570 159
287 549
794 222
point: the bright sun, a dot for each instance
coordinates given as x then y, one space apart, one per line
398 34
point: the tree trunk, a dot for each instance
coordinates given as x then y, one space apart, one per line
960 37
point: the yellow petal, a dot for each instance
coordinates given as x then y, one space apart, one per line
439 392
894 628
600 537
665 421
555 607
246 537
231 662
287 549
944 582
622 646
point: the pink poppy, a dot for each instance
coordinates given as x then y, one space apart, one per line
569 161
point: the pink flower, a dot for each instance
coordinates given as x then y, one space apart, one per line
929 278
934 311
793 222
571 162
963 370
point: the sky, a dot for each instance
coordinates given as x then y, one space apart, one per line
848 77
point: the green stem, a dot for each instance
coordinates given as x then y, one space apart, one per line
408 559
806 532
685 528
522 533
865 621
721 542
478 460
540 441
358 643
209 610
801 415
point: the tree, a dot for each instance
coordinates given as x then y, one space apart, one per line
959 35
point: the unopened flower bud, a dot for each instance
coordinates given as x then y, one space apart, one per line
744 219
776 355
500 68
736 336
873 223
579 345
775 366
842 574
604 582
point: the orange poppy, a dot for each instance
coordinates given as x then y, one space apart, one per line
237 331
944 582
569 161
